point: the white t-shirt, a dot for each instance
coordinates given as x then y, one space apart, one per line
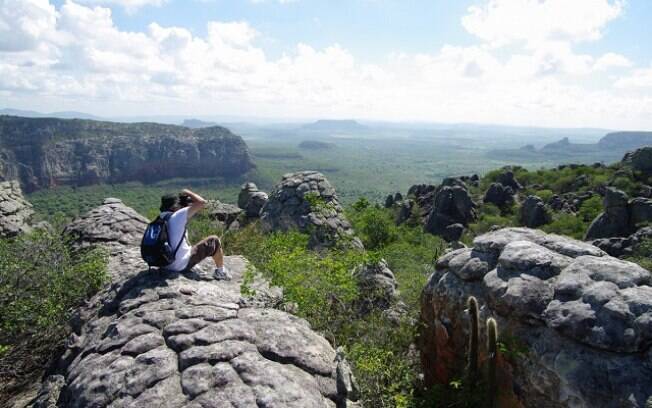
176 227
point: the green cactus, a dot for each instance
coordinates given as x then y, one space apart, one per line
472 358
492 349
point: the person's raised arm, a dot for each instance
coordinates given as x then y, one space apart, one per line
198 202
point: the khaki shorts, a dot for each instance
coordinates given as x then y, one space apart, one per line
204 249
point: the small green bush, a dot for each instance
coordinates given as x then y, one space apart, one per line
567 224
590 209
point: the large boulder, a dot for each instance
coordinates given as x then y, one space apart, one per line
616 220
306 201
534 212
225 214
377 285
252 200
153 338
452 205
507 179
577 322
621 246
15 211
640 160
112 224
499 195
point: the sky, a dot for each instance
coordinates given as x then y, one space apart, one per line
551 63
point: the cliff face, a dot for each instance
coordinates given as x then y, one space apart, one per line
625 140
46 152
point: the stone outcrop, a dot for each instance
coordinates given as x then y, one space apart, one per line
112 224
377 285
252 200
507 179
15 211
499 195
621 216
154 338
534 212
577 322
47 152
452 204
620 246
306 201
226 215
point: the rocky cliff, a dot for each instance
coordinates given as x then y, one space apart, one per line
46 152
15 211
155 339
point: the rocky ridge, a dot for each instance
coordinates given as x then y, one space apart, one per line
583 318
155 338
15 211
47 152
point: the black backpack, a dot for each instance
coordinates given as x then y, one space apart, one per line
155 247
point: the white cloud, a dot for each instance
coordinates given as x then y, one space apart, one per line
611 60
131 6
78 55
503 22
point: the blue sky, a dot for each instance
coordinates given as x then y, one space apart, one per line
526 62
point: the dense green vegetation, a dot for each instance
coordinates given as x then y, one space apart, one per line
42 281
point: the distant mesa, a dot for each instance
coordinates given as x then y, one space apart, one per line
611 145
197 124
315 145
48 152
335 126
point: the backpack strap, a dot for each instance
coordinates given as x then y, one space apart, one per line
166 218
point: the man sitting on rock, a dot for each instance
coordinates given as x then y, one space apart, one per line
183 207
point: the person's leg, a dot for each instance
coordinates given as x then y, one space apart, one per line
218 255
207 247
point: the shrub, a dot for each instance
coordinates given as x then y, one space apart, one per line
545 195
375 226
567 224
590 209
41 282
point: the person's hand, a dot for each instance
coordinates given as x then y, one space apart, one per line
186 192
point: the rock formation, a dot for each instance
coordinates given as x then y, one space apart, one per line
507 179
640 160
621 216
112 225
226 215
252 200
306 201
154 338
577 322
621 246
452 205
46 152
15 211
377 285
534 212
499 195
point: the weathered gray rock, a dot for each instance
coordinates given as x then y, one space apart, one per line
377 285
507 179
499 195
389 201
640 160
583 318
404 212
620 246
154 338
252 200
534 212
225 213
112 224
15 211
452 205
621 216
306 201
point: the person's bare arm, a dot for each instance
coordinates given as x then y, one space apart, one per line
198 202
